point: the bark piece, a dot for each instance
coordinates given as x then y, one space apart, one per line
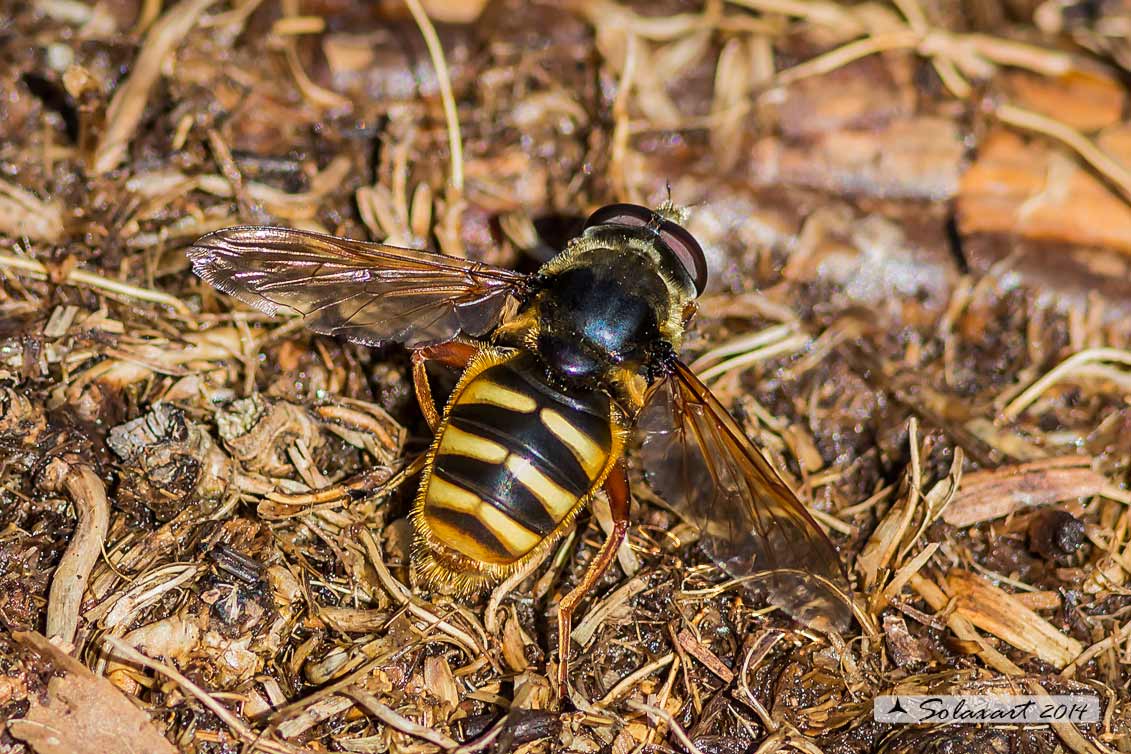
986 495
1039 192
83 714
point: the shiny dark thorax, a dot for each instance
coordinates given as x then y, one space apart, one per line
601 311
598 314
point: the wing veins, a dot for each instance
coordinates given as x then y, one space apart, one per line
357 289
751 520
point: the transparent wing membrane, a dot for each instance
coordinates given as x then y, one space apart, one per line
698 459
370 293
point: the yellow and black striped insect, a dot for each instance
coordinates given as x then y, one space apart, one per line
559 367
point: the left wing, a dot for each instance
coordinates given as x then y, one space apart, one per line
698 459
370 293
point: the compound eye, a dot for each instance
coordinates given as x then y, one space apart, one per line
690 253
632 215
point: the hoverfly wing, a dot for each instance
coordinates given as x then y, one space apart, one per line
697 458
369 293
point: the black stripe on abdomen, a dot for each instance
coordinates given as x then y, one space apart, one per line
497 486
588 412
526 435
471 527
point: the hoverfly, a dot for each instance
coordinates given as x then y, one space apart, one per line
559 367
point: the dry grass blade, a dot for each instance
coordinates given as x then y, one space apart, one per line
629 681
758 353
665 717
900 578
842 56
617 600
620 136
82 277
414 605
395 720
503 590
885 540
451 114
319 96
128 104
1065 369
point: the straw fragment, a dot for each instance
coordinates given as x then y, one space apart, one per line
129 101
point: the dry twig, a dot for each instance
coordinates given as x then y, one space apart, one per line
88 495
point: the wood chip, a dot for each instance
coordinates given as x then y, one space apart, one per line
1004 616
1085 101
962 627
700 652
915 158
986 495
861 95
1040 192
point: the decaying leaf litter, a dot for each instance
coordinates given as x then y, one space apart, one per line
917 215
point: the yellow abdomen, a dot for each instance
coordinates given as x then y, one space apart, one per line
514 459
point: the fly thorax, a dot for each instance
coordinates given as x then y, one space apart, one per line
599 315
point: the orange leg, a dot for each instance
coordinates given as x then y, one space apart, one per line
616 487
454 354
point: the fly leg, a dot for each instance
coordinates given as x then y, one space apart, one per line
616 487
454 354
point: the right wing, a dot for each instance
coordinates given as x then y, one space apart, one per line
697 458
369 293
